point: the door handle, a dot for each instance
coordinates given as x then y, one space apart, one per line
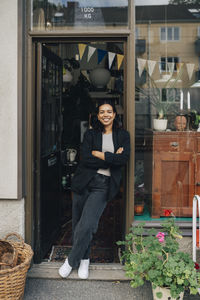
198 183
174 144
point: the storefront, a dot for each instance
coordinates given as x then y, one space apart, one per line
70 56
77 56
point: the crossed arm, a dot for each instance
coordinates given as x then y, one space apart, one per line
101 155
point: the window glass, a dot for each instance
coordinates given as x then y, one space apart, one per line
167 108
176 33
169 33
163 33
61 14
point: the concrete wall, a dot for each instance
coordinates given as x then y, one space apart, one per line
8 99
11 209
11 217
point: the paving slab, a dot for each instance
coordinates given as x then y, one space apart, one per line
52 289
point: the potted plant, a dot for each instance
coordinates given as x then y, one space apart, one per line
156 257
161 100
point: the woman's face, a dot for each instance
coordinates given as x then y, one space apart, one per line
106 114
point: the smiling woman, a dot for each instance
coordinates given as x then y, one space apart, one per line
96 181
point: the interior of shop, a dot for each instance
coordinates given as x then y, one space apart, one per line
75 77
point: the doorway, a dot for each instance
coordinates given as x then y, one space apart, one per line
72 78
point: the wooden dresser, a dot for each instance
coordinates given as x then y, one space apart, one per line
172 171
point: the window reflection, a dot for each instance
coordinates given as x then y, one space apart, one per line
167 89
57 14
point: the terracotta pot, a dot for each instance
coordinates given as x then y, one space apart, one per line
165 294
160 125
139 208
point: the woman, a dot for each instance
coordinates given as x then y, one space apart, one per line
97 180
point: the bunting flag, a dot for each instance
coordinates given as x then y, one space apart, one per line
151 66
141 65
190 70
170 67
101 54
81 48
120 58
91 51
111 57
179 66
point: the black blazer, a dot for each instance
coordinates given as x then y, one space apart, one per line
89 164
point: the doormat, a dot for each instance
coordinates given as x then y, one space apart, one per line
98 255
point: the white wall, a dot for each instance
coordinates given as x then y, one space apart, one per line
11 217
8 99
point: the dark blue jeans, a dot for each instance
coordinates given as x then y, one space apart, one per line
86 211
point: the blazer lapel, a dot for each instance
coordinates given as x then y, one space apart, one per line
99 140
115 140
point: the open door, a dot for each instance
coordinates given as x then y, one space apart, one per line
48 148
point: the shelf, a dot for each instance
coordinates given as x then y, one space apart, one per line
99 95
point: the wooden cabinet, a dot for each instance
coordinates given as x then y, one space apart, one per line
172 171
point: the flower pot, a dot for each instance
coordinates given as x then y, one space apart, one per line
165 294
160 125
139 208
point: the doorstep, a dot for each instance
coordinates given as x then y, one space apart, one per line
49 270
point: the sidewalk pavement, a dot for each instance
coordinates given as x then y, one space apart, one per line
59 289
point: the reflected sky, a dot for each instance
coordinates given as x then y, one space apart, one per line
151 2
93 3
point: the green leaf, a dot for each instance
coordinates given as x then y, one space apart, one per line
159 295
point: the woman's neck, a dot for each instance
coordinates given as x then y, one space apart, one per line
108 129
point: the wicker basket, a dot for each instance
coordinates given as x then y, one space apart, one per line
12 281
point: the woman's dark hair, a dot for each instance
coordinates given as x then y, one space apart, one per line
96 124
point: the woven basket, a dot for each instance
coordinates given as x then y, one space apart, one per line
8 255
12 281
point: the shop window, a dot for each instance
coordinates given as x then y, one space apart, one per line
169 33
165 169
55 15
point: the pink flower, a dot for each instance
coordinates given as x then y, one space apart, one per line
161 237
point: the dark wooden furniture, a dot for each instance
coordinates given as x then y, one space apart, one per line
172 171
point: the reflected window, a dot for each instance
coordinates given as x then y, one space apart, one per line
170 33
167 63
58 14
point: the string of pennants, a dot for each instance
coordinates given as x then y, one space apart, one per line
151 64
101 54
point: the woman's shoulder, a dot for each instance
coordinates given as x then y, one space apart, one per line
123 132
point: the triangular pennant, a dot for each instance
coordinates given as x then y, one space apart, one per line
151 66
101 54
170 66
179 66
190 70
111 57
141 65
120 58
91 51
81 48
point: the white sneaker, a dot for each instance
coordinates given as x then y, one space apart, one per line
65 269
83 270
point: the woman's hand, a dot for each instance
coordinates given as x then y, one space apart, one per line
98 154
120 150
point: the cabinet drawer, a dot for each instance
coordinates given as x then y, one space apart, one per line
198 144
166 144
175 144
